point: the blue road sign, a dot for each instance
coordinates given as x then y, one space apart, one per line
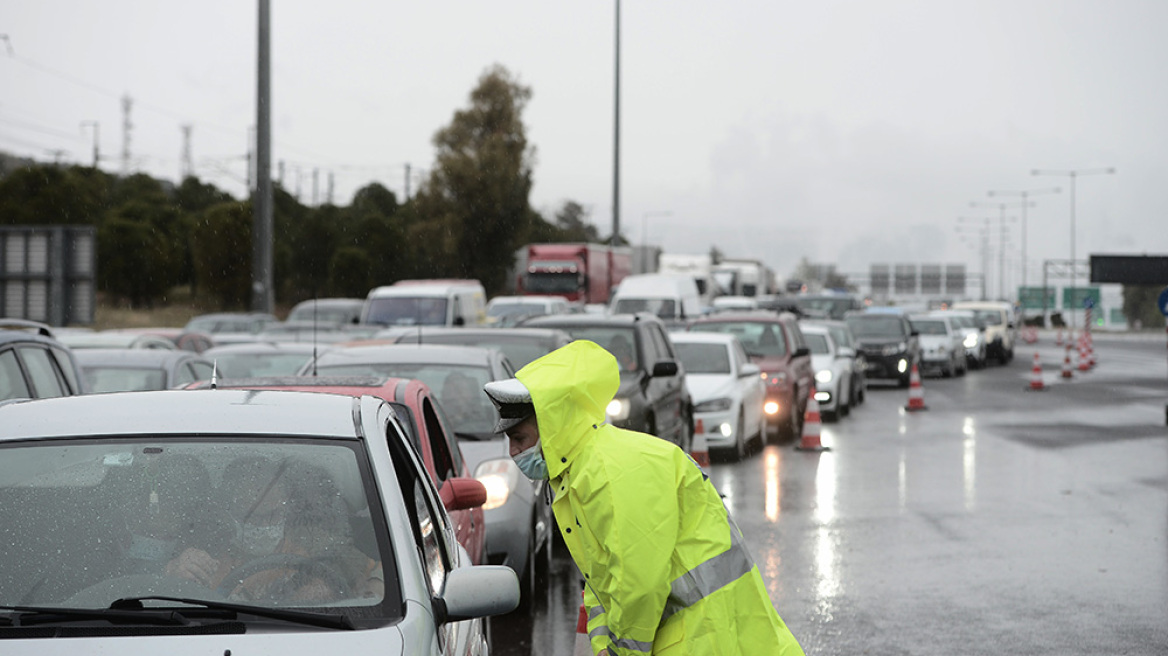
1163 302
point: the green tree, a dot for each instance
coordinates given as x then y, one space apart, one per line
50 195
349 272
221 244
132 261
478 192
572 220
1139 305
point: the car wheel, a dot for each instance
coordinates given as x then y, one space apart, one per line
792 428
845 404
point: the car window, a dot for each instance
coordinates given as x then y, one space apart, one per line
930 326
704 358
124 379
43 371
201 370
661 344
877 327
618 340
440 446
12 385
758 338
817 343
739 354
65 366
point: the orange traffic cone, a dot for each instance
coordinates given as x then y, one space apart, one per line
812 426
1036 384
1084 362
700 449
916 394
582 646
1090 350
1068 370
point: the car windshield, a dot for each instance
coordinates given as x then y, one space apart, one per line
666 308
519 350
323 314
817 344
704 358
407 311
124 379
989 317
833 307
759 338
875 326
287 522
930 326
618 340
551 283
459 388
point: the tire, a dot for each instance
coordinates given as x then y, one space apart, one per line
792 429
844 406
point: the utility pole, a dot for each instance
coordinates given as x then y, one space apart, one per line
1001 242
407 182
127 126
315 187
1025 195
616 142
330 188
263 299
96 138
188 166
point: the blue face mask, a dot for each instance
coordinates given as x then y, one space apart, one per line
532 464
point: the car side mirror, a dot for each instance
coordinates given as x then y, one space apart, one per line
801 351
665 368
846 352
914 333
459 321
460 493
749 370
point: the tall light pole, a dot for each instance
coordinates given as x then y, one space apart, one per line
1073 174
984 232
262 297
644 224
616 139
1001 241
1025 195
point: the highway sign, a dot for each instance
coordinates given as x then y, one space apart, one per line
1163 302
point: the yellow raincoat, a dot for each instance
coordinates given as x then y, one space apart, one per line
665 569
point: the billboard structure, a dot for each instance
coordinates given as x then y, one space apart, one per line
917 282
48 273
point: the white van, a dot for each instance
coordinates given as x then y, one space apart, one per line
438 302
1000 328
672 297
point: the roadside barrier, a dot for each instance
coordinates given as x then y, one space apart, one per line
700 449
916 393
812 426
1036 382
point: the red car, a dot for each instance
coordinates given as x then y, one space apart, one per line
414 404
775 343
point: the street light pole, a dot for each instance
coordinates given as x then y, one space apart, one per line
1001 242
1025 195
1073 174
984 232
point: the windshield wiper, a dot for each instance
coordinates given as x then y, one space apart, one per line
33 615
309 618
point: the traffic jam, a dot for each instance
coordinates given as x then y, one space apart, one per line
309 481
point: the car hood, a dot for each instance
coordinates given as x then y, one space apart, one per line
821 362
929 341
703 387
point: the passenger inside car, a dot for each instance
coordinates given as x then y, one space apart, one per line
622 350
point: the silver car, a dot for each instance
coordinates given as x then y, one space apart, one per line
225 521
518 510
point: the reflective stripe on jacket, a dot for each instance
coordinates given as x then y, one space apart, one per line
665 568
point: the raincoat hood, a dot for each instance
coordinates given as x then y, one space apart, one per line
570 389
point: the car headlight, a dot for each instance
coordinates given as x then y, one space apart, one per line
823 376
771 407
618 409
499 476
713 405
970 341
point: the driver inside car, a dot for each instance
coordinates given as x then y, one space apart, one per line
289 539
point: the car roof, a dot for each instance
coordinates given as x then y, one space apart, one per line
561 320
679 337
411 353
185 412
756 316
516 331
384 387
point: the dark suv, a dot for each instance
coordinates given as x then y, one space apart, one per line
652 397
775 343
888 343
34 365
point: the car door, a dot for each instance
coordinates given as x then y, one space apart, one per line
753 389
46 378
667 393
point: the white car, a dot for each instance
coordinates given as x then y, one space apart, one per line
975 335
727 390
231 521
833 371
942 344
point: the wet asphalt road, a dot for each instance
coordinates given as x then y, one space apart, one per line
999 520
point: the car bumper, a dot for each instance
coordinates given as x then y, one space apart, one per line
718 428
886 366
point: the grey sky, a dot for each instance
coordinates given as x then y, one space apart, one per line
846 132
